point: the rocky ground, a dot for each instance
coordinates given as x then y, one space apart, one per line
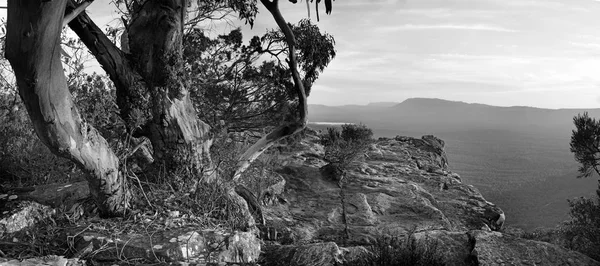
401 187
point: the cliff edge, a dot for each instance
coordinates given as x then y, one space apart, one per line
401 187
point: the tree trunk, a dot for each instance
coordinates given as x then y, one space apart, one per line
33 49
179 138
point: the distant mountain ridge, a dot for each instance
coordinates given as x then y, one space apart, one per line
429 101
438 115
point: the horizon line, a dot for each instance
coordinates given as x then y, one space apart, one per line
394 103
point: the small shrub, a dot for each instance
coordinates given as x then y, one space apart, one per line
397 251
582 232
549 235
342 148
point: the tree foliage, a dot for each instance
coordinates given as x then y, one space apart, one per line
585 144
233 86
582 231
230 85
315 49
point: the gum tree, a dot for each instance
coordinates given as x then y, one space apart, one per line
152 95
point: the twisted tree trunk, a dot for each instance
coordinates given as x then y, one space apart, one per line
33 50
150 93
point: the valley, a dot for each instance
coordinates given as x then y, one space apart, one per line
518 157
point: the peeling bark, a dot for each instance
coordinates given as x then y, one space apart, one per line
33 49
155 35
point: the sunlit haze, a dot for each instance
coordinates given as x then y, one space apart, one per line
542 53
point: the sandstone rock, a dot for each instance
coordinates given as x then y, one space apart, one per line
401 186
318 254
454 247
183 244
48 260
355 254
22 215
397 196
495 217
429 153
493 248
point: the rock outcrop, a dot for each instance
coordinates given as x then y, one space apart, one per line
401 186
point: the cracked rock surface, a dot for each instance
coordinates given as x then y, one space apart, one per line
402 186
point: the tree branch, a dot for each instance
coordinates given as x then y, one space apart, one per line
111 58
73 14
287 128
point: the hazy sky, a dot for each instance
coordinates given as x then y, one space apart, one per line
543 53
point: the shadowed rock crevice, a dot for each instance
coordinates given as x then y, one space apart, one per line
473 259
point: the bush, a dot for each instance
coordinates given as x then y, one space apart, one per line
582 232
396 251
342 148
24 160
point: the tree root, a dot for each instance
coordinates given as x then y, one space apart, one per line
252 203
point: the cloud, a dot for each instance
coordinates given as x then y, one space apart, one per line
450 13
477 27
587 45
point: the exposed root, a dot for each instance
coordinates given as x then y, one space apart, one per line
253 204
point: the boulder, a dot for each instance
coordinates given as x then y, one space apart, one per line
182 244
494 248
479 247
47 260
22 214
